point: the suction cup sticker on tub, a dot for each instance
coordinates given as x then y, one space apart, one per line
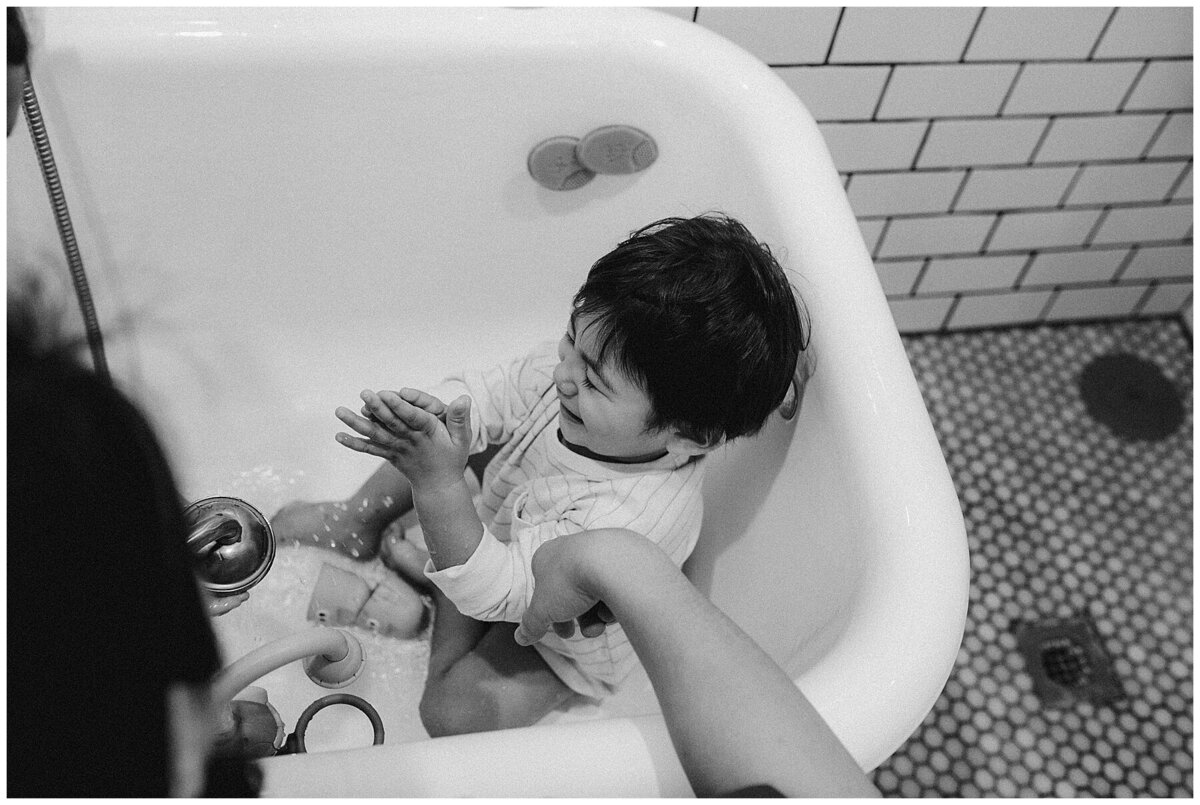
616 150
553 164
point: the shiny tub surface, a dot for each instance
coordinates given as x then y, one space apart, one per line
280 207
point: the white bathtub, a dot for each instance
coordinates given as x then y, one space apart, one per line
279 207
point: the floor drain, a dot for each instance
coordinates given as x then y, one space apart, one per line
1131 396
1068 663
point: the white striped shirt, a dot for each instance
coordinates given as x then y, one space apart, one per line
536 489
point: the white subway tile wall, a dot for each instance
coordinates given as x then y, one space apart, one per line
1175 137
993 310
1037 33
1007 165
1160 262
1015 188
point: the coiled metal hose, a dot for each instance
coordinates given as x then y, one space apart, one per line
66 232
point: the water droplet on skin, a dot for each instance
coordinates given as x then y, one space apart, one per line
388 501
366 502
327 528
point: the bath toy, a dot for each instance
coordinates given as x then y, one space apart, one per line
393 610
295 741
337 597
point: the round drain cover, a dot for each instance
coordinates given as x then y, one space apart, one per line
1131 396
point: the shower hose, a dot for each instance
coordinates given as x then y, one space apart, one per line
66 232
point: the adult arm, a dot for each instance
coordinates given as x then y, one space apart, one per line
735 718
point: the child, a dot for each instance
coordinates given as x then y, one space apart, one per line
685 336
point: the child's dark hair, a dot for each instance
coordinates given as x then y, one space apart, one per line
700 315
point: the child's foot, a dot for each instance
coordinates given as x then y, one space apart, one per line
405 558
330 525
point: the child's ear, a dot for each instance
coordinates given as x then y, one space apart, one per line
681 445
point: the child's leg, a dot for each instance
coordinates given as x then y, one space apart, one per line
405 558
352 527
480 679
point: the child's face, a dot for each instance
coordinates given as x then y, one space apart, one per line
600 408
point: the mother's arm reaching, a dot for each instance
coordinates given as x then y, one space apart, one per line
734 716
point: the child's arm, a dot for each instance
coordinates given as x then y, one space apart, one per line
432 456
734 716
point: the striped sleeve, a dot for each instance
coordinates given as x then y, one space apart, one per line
496 583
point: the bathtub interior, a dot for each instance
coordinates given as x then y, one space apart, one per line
274 232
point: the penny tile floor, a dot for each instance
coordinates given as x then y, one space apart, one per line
1074 678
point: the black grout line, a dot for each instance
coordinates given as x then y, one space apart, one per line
1049 305
1165 110
837 26
1162 126
1100 36
1012 87
1104 206
1137 79
1145 299
1074 180
1042 140
882 235
1174 188
1125 263
950 313
917 280
987 239
1008 166
971 37
1100 219
982 62
1039 288
921 146
1099 247
1039 250
883 93
1023 324
962 188
1024 272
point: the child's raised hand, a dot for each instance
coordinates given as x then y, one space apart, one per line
418 398
402 431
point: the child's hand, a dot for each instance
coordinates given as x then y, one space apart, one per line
418 398
429 453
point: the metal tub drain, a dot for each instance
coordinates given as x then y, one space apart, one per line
1068 663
